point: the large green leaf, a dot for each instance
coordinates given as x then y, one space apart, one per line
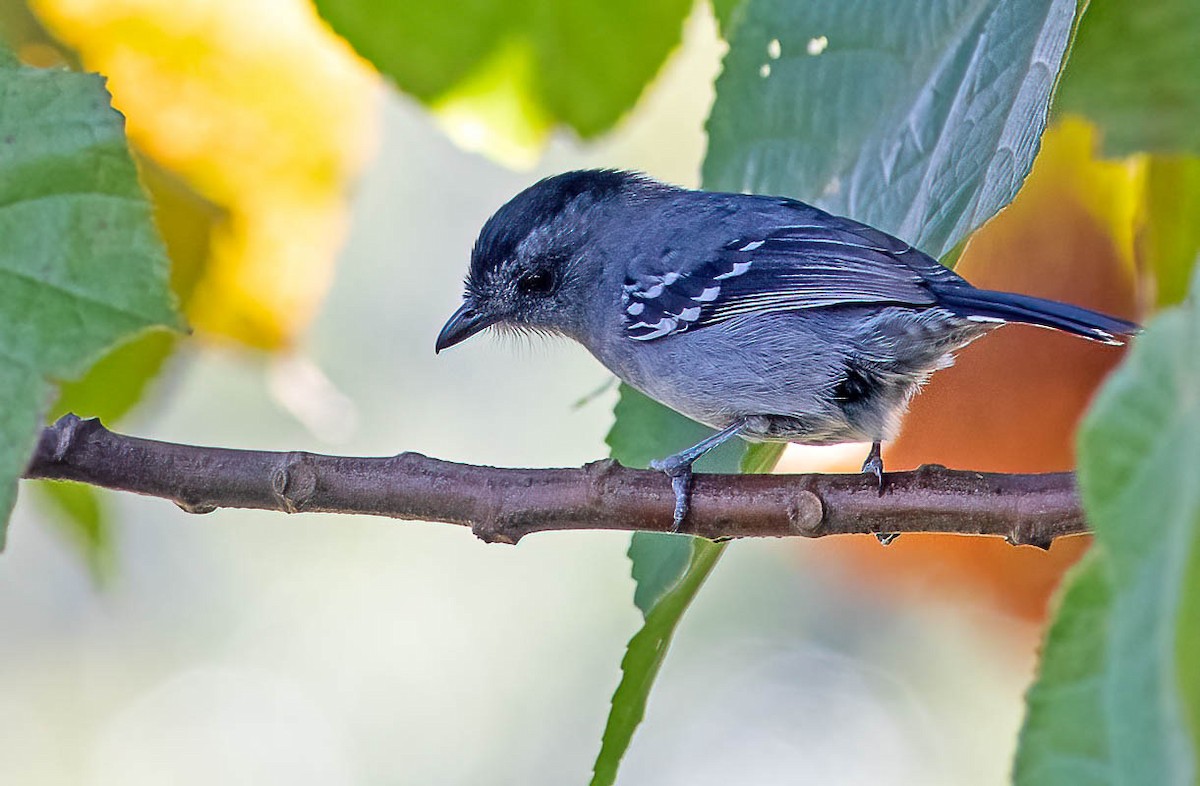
1118 681
1061 741
1135 72
644 430
668 569
727 13
119 380
81 266
920 119
581 63
646 650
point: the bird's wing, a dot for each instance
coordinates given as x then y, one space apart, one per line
812 264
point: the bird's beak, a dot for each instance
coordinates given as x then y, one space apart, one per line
463 324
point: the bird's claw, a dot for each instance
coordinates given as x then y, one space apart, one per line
679 469
874 466
681 484
680 473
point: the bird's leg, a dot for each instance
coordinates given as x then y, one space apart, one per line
679 468
874 465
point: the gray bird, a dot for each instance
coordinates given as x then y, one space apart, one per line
761 317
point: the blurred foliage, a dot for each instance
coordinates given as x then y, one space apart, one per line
1135 72
1169 237
501 74
727 13
79 513
1107 706
898 118
1064 735
668 570
250 123
82 264
21 31
262 112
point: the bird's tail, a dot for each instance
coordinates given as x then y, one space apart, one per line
988 306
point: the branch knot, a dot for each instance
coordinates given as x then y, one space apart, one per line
68 430
294 481
805 513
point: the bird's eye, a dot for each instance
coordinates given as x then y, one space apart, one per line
536 282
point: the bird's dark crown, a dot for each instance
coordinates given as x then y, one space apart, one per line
537 206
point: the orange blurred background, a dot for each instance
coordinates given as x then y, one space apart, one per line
1013 399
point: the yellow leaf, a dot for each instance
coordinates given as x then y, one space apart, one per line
263 112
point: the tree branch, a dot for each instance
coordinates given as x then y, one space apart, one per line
503 505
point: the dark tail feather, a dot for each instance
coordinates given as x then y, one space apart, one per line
987 306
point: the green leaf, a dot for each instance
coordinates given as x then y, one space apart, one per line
923 125
1117 695
645 430
644 656
1061 741
657 563
728 14
81 266
922 120
580 63
1135 72
121 378
668 569
25 396
1170 240
1187 649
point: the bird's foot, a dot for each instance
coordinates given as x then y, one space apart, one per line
874 466
679 471
679 468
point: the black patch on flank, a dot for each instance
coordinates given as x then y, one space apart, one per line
856 386
535 206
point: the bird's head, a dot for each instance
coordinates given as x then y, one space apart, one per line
530 266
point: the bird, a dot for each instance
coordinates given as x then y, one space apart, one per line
761 317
